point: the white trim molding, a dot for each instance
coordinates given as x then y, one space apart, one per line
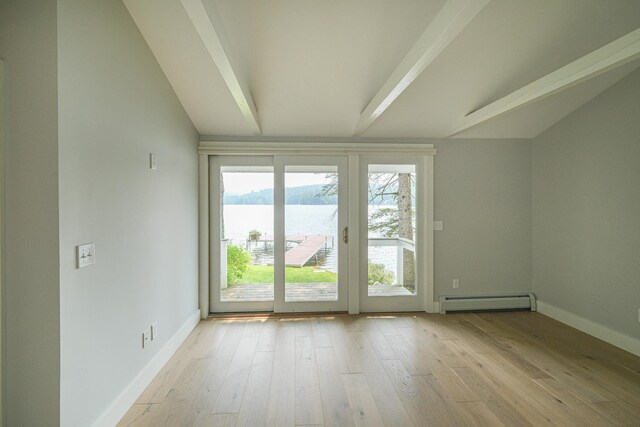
353 149
354 235
239 148
203 235
429 304
129 395
587 326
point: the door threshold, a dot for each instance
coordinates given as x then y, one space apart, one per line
259 314
268 314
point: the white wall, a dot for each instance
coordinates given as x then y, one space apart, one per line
483 195
586 206
31 280
115 107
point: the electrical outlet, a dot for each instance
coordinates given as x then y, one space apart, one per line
438 225
146 337
154 331
86 254
456 283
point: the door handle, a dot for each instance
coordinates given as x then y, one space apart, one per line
345 235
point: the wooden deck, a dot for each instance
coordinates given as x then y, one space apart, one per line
300 292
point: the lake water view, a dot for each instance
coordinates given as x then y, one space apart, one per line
299 220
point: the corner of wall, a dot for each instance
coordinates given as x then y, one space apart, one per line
584 201
623 341
129 395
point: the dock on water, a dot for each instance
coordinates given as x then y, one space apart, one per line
305 250
307 246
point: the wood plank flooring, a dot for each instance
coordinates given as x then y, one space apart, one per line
475 369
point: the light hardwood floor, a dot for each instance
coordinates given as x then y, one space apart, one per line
512 369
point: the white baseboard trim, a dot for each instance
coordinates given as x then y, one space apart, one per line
625 342
129 395
436 308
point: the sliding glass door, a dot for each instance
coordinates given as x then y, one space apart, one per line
279 237
311 255
242 234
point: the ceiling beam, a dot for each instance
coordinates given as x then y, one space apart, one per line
208 25
613 55
452 18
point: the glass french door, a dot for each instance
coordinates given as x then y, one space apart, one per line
392 234
311 220
278 234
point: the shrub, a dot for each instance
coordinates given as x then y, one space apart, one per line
379 275
238 260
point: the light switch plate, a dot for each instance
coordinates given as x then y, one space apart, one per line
86 254
438 226
153 161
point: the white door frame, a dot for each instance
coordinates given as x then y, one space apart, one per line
353 149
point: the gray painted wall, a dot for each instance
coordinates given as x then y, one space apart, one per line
116 107
31 281
586 190
483 195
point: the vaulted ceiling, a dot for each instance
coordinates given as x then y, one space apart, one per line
388 68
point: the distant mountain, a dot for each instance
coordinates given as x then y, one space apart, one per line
303 195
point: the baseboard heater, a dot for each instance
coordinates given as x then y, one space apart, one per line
449 303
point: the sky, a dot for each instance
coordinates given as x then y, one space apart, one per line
246 182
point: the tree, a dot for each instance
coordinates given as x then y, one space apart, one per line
405 225
384 187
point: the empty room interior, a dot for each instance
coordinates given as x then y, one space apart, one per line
320 212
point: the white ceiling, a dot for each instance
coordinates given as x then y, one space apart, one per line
312 66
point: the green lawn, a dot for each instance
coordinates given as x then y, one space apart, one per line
264 274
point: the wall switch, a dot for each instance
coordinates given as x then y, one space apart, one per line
86 254
154 331
438 225
456 283
153 161
146 338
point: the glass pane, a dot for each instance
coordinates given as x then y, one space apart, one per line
247 229
391 224
311 229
